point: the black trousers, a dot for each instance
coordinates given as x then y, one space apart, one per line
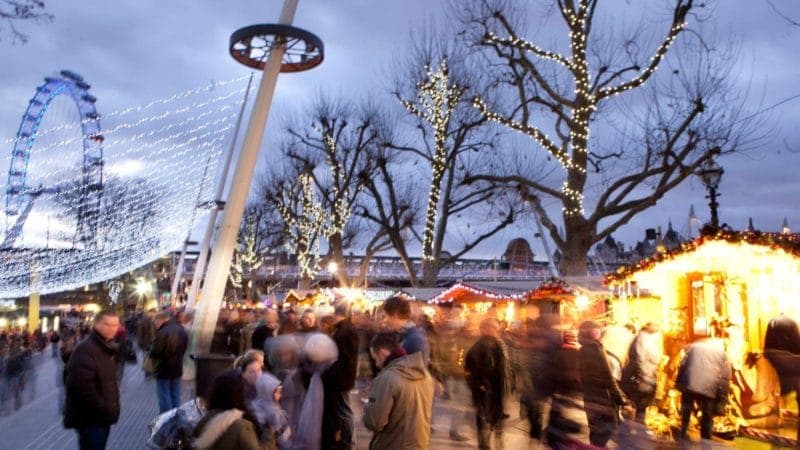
706 406
338 426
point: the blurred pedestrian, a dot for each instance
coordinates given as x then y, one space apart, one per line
639 374
412 338
602 395
92 401
145 331
782 350
486 369
265 330
167 352
703 380
544 342
567 426
400 404
338 426
228 424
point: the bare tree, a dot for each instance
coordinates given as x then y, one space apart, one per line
333 151
452 139
259 236
13 11
391 205
303 218
625 118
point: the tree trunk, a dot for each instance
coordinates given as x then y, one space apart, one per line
578 242
304 282
336 253
430 272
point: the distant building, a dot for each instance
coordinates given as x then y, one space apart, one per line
518 255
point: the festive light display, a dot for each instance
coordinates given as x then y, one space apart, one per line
246 258
789 243
341 207
158 160
304 221
437 98
576 112
449 295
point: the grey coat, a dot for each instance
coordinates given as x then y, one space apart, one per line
705 370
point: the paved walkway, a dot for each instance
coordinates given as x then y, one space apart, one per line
38 424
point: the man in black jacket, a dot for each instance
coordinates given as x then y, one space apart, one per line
486 370
167 353
92 402
338 427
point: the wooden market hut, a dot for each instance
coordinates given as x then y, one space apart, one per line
479 299
739 278
724 283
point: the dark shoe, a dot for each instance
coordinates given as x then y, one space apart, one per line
458 437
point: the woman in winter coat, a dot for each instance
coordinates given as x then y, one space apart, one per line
228 424
267 410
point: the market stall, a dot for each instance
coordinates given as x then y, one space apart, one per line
478 301
725 284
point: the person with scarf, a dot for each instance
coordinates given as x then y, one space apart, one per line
318 353
228 423
400 404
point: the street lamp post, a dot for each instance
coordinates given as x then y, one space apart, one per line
271 48
710 174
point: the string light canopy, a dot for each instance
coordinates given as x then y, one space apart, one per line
157 161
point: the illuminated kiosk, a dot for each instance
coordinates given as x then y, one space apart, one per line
724 283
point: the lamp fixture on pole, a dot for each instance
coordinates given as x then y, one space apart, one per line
710 174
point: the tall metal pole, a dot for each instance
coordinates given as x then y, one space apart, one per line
712 194
176 280
219 266
550 263
200 266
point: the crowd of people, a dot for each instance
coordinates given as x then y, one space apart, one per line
292 385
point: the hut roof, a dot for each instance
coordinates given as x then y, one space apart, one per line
787 242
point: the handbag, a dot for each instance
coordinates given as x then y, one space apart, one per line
148 366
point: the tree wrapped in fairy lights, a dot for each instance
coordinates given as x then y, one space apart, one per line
621 117
453 139
304 221
334 153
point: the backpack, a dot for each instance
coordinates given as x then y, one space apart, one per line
173 429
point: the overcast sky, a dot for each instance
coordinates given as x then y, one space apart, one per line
135 51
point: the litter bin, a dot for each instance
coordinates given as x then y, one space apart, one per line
207 367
